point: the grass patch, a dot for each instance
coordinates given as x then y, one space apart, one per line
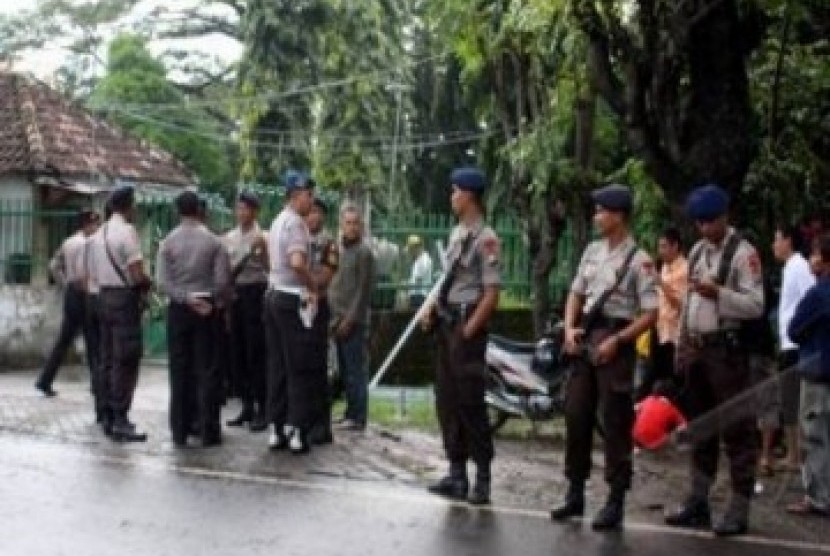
418 414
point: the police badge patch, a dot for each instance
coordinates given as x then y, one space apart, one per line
490 249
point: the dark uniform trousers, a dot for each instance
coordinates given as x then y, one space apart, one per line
714 375
248 344
606 392
195 381
319 355
460 387
74 321
290 369
121 347
93 324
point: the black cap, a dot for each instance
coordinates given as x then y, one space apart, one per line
614 198
122 198
188 203
321 204
249 198
87 216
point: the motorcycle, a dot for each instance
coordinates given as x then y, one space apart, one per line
525 380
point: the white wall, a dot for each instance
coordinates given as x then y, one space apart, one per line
29 321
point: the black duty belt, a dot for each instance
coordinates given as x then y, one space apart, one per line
610 323
718 339
460 312
117 288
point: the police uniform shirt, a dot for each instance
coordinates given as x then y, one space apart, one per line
191 260
319 245
598 271
740 298
239 243
68 262
479 266
92 286
288 235
125 247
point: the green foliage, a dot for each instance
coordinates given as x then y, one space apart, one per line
650 206
790 74
161 114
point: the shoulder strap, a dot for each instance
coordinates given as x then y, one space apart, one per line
444 293
112 258
623 272
694 256
729 251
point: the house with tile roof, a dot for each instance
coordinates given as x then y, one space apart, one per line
57 157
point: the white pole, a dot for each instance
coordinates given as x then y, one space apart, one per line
416 319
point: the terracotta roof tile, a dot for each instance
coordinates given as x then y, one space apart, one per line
43 132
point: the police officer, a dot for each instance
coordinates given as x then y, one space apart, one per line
603 356
246 245
289 306
119 271
193 273
324 263
68 266
714 361
463 310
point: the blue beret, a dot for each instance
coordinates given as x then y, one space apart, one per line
121 197
616 198
249 198
707 203
469 179
297 180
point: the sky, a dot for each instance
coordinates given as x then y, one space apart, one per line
44 62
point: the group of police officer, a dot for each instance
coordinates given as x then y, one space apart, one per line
281 279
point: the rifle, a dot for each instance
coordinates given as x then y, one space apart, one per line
588 321
443 314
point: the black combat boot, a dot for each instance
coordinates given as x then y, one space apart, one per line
574 504
124 431
259 422
245 416
610 517
455 485
481 491
693 514
736 519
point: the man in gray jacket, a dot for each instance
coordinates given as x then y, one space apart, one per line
349 297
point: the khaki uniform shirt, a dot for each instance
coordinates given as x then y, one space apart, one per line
479 266
741 297
191 260
598 271
239 244
125 247
67 266
288 235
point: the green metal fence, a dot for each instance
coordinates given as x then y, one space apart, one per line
29 236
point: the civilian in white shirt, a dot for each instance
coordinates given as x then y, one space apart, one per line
420 276
796 280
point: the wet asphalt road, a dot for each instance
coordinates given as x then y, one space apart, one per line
81 499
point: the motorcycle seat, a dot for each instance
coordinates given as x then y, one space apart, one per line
511 345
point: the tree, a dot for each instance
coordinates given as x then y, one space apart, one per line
524 58
161 114
675 73
79 28
790 76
